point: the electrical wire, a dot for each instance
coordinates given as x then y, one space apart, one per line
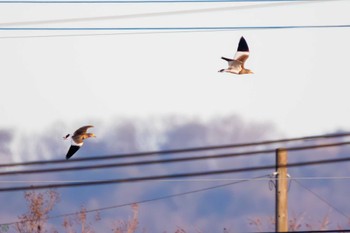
322 199
148 31
136 1
155 14
106 34
147 200
184 180
272 27
171 176
172 160
127 164
192 149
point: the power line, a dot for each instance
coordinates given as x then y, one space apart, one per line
171 176
172 160
148 200
137 163
273 27
155 14
104 34
190 149
148 31
322 199
184 180
137 1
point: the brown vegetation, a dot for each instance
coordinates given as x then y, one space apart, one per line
80 220
296 223
128 226
35 220
39 206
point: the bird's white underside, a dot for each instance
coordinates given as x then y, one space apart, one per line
234 66
76 144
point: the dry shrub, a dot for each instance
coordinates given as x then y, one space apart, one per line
39 207
68 225
180 230
260 225
296 223
130 225
81 220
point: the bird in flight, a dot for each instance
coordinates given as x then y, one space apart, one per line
78 138
236 65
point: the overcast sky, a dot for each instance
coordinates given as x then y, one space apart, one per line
301 81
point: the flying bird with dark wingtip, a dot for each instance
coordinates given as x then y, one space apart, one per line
236 65
78 138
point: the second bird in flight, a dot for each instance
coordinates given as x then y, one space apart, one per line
236 65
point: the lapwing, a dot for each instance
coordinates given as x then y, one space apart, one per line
236 65
78 138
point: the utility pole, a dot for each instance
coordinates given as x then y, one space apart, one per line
281 214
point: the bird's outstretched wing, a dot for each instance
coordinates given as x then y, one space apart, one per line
82 130
234 66
72 150
242 53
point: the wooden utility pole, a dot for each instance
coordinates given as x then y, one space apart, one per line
281 190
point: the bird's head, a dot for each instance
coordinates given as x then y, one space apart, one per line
247 71
90 135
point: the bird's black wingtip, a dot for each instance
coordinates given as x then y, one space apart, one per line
71 151
227 59
242 45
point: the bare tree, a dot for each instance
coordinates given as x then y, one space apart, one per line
39 207
81 220
130 225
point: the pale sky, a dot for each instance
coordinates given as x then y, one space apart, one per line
301 80
301 84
